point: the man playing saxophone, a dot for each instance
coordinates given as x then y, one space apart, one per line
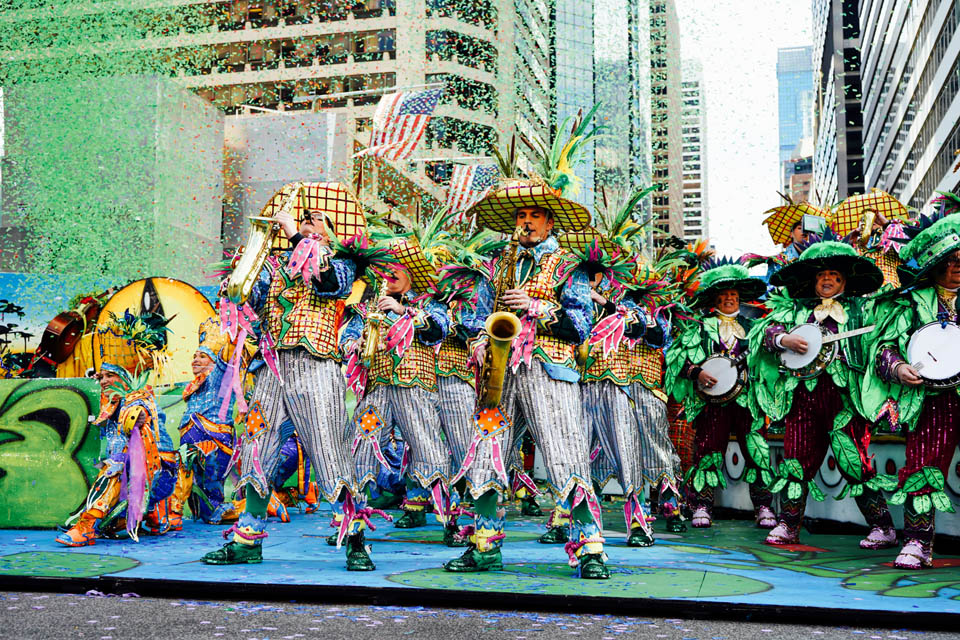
297 296
540 285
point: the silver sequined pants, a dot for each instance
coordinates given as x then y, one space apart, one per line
416 412
457 403
658 457
312 396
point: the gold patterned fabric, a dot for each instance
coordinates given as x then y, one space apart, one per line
651 368
782 219
621 367
452 361
887 262
848 215
298 317
542 285
417 368
497 211
341 208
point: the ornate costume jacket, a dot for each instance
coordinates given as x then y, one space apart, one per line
452 356
561 311
696 341
898 317
303 314
413 365
201 414
773 388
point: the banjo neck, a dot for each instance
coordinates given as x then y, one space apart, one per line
848 334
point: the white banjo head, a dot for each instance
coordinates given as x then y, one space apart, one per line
814 337
724 370
934 350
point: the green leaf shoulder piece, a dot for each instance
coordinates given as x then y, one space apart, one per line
687 347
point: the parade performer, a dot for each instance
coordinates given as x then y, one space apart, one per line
721 408
926 401
139 468
536 283
206 442
299 294
390 341
456 375
873 223
820 403
785 224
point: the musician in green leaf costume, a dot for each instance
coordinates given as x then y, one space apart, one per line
820 404
720 331
927 310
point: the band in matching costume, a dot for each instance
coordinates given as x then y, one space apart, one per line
548 323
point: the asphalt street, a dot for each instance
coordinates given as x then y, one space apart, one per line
99 617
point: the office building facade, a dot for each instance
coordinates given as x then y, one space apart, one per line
694 135
665 115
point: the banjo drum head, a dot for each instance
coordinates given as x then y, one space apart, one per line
814 337
936 350
724 370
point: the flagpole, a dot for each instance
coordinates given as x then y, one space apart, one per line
454 159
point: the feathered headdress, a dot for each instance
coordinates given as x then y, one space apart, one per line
557 163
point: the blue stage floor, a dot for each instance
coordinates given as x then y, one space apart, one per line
725 564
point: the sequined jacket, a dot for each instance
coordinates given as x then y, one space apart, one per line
301 314
550 275
120 414
418 365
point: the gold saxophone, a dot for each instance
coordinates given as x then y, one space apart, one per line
865 229
371 331
502 326
263 229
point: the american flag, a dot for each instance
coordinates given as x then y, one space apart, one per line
468 185
400 122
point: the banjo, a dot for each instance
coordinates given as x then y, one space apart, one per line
822 348
932 352
731 378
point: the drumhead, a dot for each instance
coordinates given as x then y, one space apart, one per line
814 337
936 349
724 370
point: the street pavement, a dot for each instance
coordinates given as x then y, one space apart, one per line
99 617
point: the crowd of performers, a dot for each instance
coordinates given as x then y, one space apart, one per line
547 324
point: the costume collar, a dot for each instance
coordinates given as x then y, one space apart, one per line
538 251
729 316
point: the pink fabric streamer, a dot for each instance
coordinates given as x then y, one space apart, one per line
521 479
136 482
356 373
522 351
305 259
580 494
596 452
633 512
437 493
400 335
237 322
609 331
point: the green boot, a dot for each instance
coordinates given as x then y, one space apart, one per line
529 506
450 537
472 561
555 535
235 553
332 539
592 567
411 520
675 525
357 557
639 538
386 500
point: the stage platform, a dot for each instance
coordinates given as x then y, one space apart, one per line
722 572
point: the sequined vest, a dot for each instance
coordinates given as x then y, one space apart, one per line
542 285
625 366
452 360
417 367
298 317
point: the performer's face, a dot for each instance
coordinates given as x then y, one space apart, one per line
201 363
313 224
830 283
399 282
537 223
107 379
948 275
728 301
798 234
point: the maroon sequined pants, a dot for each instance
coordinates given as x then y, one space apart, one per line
807 438
714 425
930 444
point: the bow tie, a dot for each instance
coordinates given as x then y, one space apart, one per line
948 299
830 308
730 331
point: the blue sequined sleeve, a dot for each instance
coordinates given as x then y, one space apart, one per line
258 295
337 281
353 328
577 305
473 316
437 323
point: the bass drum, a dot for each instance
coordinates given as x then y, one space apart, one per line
934 351
182 304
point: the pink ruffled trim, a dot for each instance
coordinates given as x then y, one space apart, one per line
609 331
573 547
522 352
250 537
400 335
308 259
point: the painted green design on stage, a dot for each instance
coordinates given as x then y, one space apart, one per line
63 564
47 449
555 579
